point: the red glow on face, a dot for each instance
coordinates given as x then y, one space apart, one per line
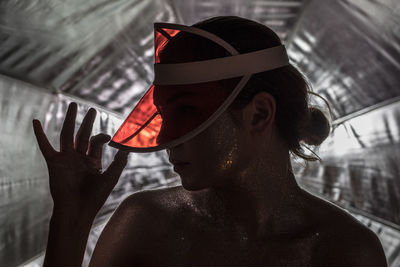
143 124
185 107
166 113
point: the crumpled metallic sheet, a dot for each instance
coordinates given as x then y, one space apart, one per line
103 51
98 50
360 164
281 16
26 205
349 50
117 76
360 169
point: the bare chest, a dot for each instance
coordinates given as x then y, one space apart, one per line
215 249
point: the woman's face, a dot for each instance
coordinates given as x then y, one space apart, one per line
183 108
213 157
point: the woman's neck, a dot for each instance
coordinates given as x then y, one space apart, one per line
257 197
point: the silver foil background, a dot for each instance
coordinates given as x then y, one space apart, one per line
100 53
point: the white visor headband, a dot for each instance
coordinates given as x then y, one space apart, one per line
220 68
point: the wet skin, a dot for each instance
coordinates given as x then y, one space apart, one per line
239 204
170 228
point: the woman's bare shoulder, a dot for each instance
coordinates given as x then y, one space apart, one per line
154 208
140 221
344 241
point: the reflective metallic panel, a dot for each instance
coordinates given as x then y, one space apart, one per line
100 53
350 51
26 203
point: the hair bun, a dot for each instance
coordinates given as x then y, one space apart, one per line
317 129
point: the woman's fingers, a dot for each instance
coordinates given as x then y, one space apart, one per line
44 144
67 132
116 167
96 145
84 132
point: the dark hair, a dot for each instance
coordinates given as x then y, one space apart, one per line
297 123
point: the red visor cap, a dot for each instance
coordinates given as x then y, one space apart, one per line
167 113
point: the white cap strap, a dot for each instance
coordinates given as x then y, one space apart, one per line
221 68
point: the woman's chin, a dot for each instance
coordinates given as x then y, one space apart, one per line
191 185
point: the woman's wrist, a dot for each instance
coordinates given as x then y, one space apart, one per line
73 214
68 235
70 220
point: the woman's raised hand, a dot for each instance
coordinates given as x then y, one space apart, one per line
77 183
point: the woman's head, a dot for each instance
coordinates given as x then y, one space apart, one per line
295 121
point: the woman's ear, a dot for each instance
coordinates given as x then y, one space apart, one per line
260 112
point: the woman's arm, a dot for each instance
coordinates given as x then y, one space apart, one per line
68 235
128 233
78 186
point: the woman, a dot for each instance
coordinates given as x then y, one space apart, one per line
239 203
